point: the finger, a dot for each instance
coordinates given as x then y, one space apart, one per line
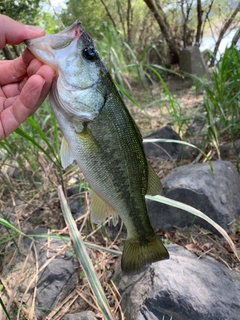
6 102
13 32
12 70
10 90
48 74
33 94
13 89
22 107
15 70
33 67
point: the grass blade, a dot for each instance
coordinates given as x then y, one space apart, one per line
197 213
4 309
67 239
9 225
34 142
84 259
181 142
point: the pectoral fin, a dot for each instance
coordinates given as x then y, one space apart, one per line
66 155
100 210
154 183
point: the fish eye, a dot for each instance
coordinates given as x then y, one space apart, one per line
89 53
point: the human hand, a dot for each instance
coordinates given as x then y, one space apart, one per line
25 81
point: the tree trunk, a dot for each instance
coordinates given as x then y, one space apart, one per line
223 31
199 23
129 21
160 17
187 6
119 10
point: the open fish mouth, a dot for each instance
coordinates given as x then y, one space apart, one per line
48 48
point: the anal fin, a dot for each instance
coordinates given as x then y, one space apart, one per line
100 209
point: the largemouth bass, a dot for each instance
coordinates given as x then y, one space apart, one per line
100 134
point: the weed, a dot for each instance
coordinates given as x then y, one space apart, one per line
221 98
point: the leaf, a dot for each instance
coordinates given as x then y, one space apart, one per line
84 259
197 213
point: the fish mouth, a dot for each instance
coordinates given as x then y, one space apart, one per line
47 47
75 28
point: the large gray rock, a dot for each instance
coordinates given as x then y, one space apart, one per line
215 194
58 278
184 288
191 61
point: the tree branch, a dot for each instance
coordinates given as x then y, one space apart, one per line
109 14
223 31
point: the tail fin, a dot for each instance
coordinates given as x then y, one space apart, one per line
136 256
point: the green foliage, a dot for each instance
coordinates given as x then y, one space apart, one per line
221 97
27 148
91 13
21 10
49 22
113 51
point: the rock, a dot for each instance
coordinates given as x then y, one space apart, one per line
230 149
191 61
58 278
76 200
163 150
215 194
167 150
182 288
196 126
84 315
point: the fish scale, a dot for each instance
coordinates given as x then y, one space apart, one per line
100 134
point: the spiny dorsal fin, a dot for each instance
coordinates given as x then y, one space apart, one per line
66 154
154 183
100 209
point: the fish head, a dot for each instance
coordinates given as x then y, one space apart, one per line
79 69
72 45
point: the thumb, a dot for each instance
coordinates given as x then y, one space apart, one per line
14 32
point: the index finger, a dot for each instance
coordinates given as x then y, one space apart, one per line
14 32
15 70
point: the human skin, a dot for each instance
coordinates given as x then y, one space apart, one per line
25 81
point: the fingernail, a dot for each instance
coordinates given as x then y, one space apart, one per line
35 29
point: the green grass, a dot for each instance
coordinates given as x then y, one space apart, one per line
222 98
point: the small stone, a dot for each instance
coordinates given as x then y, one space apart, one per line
84 315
